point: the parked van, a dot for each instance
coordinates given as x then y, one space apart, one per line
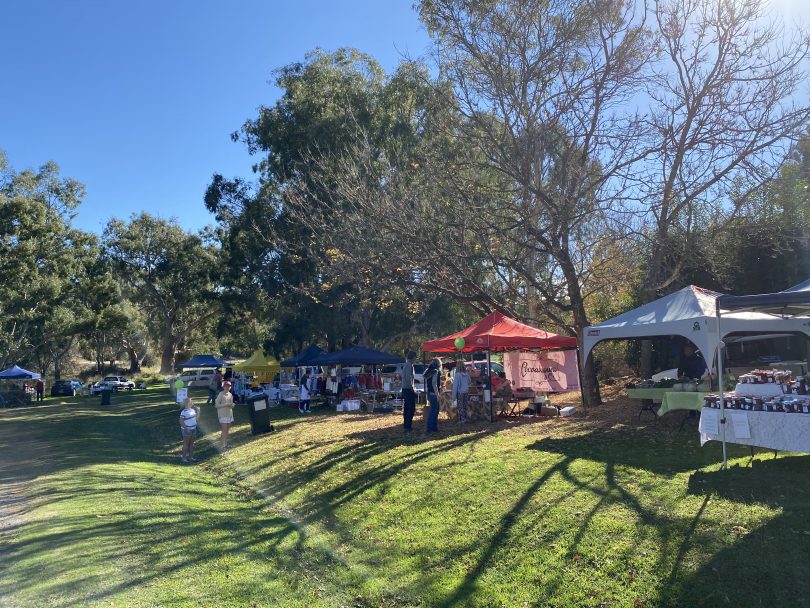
394 373
194 377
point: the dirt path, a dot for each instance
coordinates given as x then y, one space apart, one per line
23 457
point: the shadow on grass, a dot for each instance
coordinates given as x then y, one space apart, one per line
768 564
142 516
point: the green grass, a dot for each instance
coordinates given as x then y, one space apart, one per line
340 510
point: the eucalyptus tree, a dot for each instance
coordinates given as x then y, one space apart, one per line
41 259
170 274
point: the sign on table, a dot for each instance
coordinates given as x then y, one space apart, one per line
710 421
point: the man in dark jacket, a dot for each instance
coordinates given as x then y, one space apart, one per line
408 392
432 386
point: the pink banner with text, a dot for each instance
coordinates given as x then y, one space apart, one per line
543 372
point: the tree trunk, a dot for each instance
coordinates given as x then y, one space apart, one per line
590 384
167 356
134 362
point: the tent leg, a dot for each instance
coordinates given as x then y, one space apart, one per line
489 387
579 373
720 391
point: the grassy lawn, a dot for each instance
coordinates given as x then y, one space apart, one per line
341 510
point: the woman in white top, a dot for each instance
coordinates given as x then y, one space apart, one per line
303 400
224 405
188 426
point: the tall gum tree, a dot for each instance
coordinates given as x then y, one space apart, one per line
170 274
727 102
543 86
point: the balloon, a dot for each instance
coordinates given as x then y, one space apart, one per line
178 383
459 342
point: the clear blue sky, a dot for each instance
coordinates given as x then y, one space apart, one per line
137 99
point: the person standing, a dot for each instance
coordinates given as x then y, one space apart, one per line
432 384
224 405
691 366
40 388
212 390
303 399
188 427
461 388
408 392
218 379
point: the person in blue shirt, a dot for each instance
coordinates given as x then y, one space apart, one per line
692 365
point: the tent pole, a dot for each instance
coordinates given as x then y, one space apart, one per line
489 386
720 346
580 371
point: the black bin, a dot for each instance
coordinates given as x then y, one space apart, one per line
259 413
105 397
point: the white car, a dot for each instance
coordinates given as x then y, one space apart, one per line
118 383
111 383
193 377
394 373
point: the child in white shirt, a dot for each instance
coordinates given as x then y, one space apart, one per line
188 427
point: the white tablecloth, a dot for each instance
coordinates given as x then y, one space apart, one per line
774 430
759 390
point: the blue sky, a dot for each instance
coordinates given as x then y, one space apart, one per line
137 99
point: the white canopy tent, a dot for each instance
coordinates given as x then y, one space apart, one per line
690 313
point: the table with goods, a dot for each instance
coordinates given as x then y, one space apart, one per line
670 394
767 408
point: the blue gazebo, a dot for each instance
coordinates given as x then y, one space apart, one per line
201 361
15 372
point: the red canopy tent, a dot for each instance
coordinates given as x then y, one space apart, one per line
497 333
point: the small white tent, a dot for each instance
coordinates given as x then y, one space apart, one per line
690 313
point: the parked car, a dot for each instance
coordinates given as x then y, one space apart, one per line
194 377
118 383
66 388
394 372
481 366
98 387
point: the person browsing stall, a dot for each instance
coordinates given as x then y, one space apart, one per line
303 403
408 392
460 391
432 382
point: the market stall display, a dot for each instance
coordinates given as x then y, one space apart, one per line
752 425
784 431
496 333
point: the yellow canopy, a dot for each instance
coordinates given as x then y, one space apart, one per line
264 367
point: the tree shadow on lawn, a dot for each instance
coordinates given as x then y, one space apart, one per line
650 449
766 566
161 543
757 570
622 447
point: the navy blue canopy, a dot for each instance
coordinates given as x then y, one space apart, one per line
17 373
202 361
303 358
357 355
791 302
